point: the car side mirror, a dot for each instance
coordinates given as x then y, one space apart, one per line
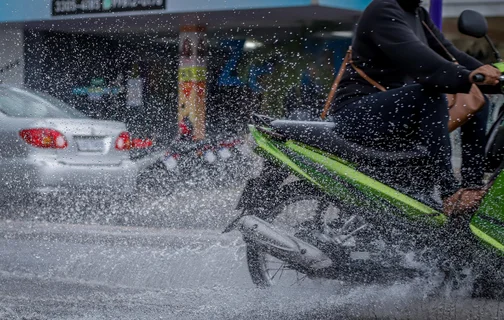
472 23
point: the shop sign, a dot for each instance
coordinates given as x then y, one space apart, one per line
68 7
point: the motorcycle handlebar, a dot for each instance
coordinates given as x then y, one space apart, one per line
477 78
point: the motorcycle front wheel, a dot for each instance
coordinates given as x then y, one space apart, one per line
300 210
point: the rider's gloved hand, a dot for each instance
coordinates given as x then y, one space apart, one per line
492 75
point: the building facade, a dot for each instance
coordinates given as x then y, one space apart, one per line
125 59
120 59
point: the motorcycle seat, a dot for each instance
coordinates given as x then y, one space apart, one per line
322 135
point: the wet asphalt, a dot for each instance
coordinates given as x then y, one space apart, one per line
162 256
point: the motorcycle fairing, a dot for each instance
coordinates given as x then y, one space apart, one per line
338 177
500 66
488 222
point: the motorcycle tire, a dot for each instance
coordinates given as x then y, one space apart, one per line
288 194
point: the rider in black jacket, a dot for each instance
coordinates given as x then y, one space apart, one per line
392 47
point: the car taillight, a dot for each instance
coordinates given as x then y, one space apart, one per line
44 138
123 142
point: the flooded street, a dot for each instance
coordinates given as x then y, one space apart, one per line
353 151
159 262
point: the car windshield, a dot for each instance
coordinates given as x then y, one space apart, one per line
22 103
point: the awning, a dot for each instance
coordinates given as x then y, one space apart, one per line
215 15
57 10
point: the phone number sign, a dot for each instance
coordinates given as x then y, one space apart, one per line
67 7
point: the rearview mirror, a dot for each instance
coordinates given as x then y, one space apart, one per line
473 24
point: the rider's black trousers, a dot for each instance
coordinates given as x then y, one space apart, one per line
397 120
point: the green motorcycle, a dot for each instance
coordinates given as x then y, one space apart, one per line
319 210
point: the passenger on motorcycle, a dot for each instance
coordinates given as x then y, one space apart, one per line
392 47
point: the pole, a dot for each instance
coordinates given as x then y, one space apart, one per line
436 12
193 50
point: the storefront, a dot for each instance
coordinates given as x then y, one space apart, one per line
121 59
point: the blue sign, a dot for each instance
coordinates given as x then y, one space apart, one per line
228 76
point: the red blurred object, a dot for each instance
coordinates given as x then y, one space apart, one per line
175 156
141 143
204 149
44 138
230 144
123 142
184 129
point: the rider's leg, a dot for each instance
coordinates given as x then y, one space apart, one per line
400 117
434 134
473 135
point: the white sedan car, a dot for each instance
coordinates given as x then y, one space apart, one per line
47 146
